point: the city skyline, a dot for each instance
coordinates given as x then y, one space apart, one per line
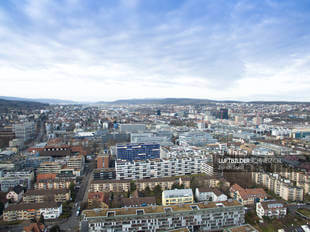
110 50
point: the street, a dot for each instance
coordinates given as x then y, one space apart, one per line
73 222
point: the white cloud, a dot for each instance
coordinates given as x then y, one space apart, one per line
79 52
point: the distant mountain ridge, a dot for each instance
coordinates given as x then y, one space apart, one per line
40 100
163 101
5 105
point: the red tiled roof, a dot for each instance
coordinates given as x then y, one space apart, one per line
47 176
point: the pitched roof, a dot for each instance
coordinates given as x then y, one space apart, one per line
23 206
34 227
46 176
248 193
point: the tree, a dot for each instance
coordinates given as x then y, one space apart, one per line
133 186
72 190
177 186
55 228
41 220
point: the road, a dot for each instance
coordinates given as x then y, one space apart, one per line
72 224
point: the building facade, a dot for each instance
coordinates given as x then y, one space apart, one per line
142 151
280 186
177 196
207 217
157 168
17 212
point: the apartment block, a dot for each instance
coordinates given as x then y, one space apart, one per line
76 162
156 168
50 210
109 186
24 131
164 183
42 195
12 179
271 209
124 185
206 217
49 167
53 184
280 186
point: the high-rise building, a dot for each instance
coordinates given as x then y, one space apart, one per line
223 113
24 131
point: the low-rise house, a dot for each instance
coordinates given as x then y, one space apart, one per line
138 201
177 196
271 209
42 195
209 194
15 194
247 196
49 210
98 200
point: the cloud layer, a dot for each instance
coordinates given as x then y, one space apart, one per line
106 50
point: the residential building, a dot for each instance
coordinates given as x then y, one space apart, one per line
209 194
164 183
124 185
24 131
207 217
44 195
98 200
271 209
247 196
104 174
177 196
12 179
133 151
49 167
53 184
49 210
109 186
280 186
76 162
156 168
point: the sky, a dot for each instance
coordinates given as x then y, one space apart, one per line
122 49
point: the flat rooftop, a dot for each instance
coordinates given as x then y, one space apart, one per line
159 209
178 193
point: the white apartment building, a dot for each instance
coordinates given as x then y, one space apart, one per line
270 209
51 212
279 186
156 168
196 138
207 217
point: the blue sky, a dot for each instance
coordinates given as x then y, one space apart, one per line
107 50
